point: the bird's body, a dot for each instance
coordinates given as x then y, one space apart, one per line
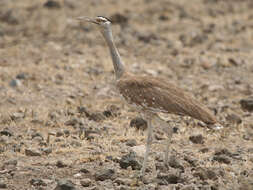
156 95
150 95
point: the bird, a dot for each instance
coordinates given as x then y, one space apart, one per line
150 95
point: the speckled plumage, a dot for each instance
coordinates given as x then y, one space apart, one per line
157 95
149 94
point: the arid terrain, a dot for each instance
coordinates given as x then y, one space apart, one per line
63 125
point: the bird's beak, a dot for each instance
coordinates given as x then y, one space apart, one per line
87 19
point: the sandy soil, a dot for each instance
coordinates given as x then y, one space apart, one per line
62 124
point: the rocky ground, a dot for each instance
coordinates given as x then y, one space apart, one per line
62 124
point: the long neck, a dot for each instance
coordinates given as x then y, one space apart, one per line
117 62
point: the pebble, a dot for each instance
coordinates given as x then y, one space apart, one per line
11 162
168 178
104 174
6 132
174 163
139 123
32 152
85 182
205 174
72 122
37 182
119 18
247 104
52 4
129 160
77 175
131 142
65 185
46 150
233 119
139 150
17 115
123 181
222 159
3 185
61 164
22 76
197 139
84 170
15 83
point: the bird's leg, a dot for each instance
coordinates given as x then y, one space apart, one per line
169 136
148 144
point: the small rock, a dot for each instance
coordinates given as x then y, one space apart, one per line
197 139
147 38
234 62
82 110
21 76
61 164
78 175
67 132
205 174
75 143
17 116
104 174
129 160
31 152
247 104
15 83
119 18
52 4
123 181
65 185
97 117
36 134
191 160
131 142
234 119
10 17
6 132
139 123
85 182
139 150
3 185
222 159
171 178
189 187
111 111
163 17
222 151
204 150
84 170
59 133
11 162
174 163
72 122
46 150
37 182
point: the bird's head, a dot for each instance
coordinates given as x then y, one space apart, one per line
102 22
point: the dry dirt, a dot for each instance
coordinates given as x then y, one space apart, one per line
62 124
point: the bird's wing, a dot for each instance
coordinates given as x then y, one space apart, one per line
158 95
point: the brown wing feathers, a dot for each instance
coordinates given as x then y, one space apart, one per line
160 96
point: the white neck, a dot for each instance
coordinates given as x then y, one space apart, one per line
117 63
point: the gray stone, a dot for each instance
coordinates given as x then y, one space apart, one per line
85 182
104 174
32 152
129 160
65 185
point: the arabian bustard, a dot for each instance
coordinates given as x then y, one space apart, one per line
148 94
